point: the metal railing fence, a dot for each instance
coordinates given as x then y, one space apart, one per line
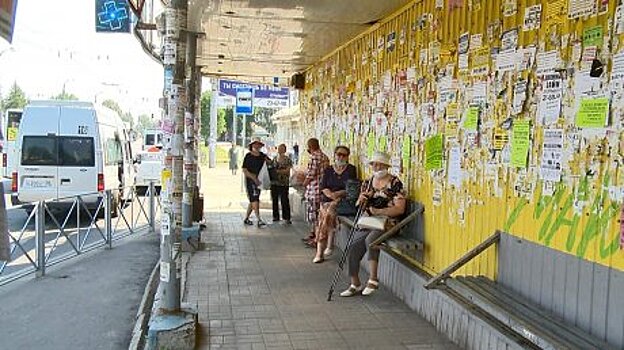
55 230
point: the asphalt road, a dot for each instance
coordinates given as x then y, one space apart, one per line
88 302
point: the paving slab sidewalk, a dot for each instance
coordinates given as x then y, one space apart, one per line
256 288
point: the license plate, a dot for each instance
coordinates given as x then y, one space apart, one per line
37 183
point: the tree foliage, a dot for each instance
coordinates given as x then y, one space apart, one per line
15 99
146 122
222 125
65 96
111 104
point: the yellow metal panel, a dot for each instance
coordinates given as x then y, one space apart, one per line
580 218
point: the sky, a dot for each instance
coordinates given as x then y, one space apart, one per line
55 44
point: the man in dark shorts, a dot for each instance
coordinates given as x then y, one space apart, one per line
252 164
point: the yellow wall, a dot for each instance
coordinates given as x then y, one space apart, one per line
581 217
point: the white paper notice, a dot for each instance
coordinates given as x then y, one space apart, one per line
479 93
164 271
619 19
506 61
476 40
455 172
549 107
547 62
410 109
580 8
462 62
520 89
552 151
411 74
617 66
532 17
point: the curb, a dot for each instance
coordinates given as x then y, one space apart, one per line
145 310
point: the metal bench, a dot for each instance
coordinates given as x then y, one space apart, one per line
523 317
407 237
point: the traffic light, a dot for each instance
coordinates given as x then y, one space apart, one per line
112 16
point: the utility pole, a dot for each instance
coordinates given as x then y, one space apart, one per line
190 162
174 48
212 143
234 127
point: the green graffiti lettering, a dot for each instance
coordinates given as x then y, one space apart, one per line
513 216
572 233
598 222
541 205
615 244
560 220
546 224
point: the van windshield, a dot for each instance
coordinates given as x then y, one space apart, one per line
58 151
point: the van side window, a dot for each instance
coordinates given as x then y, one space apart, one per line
39 150
113 152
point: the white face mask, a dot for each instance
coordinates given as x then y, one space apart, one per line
380 173
340 162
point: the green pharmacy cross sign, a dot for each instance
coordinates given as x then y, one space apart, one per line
112 16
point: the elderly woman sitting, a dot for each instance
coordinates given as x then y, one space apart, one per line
333 185
382 195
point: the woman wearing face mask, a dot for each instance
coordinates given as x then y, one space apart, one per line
252 164
333 185
383 196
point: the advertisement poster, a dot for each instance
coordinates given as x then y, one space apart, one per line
520 143
552 155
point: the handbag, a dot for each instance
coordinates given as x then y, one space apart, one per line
263 177
372 222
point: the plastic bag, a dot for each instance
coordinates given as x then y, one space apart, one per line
265 179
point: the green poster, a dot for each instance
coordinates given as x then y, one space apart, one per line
434 152
472 119
371 144
406 152
592 36
593 113
520 143
383 143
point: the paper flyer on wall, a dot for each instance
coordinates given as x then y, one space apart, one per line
552 155
455 172
549 107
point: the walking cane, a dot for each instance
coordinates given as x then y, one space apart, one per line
345 252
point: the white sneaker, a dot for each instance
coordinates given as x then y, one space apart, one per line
328 252
351 291
371 287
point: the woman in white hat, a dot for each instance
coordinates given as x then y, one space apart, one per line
383 196
252 164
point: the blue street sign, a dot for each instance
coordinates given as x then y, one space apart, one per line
266 96
244 100
112 16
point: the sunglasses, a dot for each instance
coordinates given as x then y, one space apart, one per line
341 154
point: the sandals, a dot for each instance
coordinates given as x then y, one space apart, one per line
351 291
328 252
318 260
371 287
